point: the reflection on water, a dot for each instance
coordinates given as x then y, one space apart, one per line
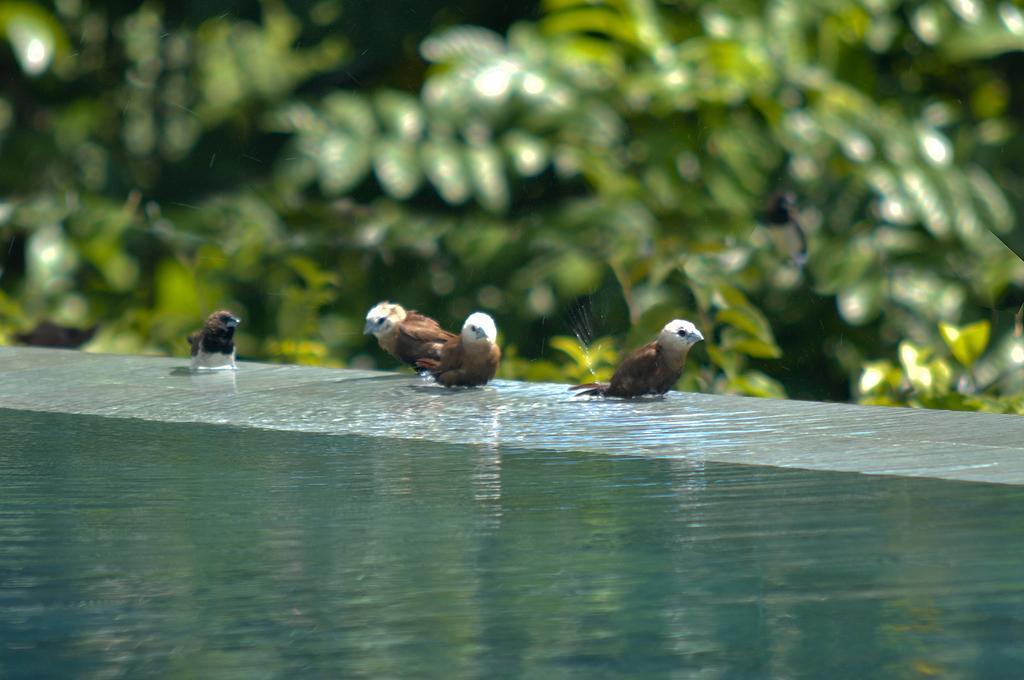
134 548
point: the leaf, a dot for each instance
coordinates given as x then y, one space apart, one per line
967 343
342 161
878 375
570 346
593 362
726 295
488 174
992 199
400 114
861 302
930 379
575 273
394 163
460 43
35 35
350 112
312 275
445 168
930 204
749 320
736 341
530 155
176 292
757 384
591 21
727 361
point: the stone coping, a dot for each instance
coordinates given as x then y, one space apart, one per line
693 427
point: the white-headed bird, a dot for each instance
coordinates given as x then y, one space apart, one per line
652 369
469 359
405 334
214 345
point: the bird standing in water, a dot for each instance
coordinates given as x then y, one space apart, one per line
213 346
405 334
652 369
469 359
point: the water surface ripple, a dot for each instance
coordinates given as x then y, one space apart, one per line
968 446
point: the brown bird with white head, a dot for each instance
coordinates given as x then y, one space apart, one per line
405 334
652 369
469 359
213 346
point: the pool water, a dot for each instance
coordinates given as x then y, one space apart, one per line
132 548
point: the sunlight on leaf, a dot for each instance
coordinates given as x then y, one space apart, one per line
967 343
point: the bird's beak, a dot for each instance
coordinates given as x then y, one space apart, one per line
698 336
480 333
368 328
233 321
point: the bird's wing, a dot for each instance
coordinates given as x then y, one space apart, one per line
193 340
448 369
448 358
632 377
423 329
419 337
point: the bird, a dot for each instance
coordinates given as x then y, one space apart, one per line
214 346
49 334
652 369
405 334
470 358
783 220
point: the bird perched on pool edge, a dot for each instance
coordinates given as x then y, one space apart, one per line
469 359
405 334
652 369
214 345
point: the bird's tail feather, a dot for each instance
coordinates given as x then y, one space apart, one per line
428 365
594 389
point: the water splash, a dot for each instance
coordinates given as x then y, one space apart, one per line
581 323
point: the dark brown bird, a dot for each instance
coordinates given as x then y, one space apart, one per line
49 334
783 220
213 347
469 359
652 369
406 334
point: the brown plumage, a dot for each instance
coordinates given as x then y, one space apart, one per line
49 334
213 346
405 334
469 359
653 369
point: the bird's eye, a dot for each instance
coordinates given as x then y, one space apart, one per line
381 319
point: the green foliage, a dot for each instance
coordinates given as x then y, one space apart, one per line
967 343
614 155
923 378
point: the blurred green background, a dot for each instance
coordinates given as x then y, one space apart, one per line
584 170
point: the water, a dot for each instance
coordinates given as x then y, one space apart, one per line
132 549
